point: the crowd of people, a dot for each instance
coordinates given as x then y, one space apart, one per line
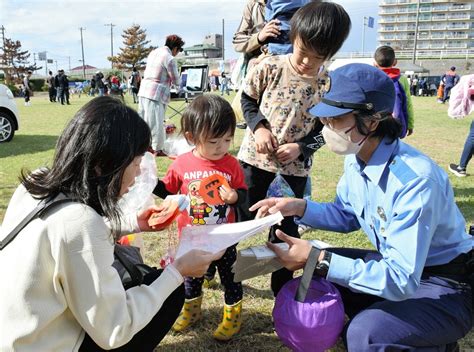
58 87
412 291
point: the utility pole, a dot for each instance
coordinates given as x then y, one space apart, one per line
111 41
223 41
4 59
416 31
363 35
3 35
82 48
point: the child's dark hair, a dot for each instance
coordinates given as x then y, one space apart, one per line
384 56
174 41
322 27
208 116
92 153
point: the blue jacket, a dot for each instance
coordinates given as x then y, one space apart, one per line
405 205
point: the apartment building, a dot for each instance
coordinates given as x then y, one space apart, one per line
445 28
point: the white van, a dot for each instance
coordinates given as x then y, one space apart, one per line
9 117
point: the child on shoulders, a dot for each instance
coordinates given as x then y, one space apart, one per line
282 136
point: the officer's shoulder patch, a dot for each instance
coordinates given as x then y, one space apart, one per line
401 170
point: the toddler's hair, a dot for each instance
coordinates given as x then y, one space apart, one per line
384 56
322 27
208 116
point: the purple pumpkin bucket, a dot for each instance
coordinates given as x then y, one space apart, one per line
313 325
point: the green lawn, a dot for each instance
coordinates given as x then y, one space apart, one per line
435 134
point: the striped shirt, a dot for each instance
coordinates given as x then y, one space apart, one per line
160 73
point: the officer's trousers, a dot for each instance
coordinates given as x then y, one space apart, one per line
436 316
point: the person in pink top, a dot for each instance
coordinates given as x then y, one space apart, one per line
154 95
209 124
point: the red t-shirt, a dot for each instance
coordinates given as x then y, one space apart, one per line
184 176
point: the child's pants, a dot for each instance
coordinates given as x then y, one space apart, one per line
233 290
258 181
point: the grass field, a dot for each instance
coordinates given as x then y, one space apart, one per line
435 134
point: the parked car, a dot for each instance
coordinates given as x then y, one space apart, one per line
9 117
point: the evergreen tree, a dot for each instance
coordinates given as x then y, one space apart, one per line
15 61
135 49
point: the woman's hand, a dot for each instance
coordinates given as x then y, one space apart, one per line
297 254
288 152
265 141
228 195
196 262
270 30
144 215
287 207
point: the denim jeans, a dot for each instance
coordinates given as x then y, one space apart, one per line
468 148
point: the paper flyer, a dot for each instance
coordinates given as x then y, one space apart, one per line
214 238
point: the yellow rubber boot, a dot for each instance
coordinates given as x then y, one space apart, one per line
231 322
190 314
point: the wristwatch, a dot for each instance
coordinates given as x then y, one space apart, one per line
322 267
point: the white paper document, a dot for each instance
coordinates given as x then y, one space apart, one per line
214 238
260 260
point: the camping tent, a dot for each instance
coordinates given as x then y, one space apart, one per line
411 68
341 62
405 66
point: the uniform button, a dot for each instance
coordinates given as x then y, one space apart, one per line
394 162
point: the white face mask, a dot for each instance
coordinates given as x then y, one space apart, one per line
339 141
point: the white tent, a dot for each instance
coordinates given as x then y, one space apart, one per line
341 62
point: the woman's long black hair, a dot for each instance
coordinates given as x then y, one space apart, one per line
94 149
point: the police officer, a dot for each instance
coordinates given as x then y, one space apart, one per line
413 291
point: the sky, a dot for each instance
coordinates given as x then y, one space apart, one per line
53 26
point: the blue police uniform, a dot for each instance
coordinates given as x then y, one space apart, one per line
404 203
413 291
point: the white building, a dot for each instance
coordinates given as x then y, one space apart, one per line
445 27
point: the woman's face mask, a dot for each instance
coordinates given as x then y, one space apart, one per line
339 141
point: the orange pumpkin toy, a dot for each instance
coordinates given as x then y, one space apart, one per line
209 189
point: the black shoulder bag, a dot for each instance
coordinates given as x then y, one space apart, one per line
128 260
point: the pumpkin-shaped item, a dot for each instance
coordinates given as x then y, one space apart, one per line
313 325
209 189
169 212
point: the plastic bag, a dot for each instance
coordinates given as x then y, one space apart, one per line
176 145
312 325
140 195
172 245
279 188
182 203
